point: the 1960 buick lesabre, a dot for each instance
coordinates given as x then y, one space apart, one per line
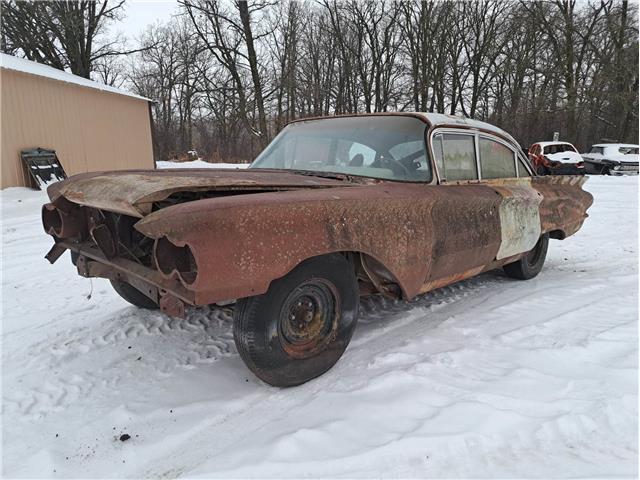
333 208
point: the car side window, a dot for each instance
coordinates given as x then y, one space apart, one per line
628 150
496 160
459 159
523 171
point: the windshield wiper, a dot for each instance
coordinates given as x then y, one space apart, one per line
313 173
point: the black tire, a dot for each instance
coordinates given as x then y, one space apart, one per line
605 171
302 325
541 170
530 265
132 295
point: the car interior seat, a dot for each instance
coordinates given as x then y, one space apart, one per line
357 160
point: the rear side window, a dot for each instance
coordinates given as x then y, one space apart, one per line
599 150
459 157
496 160
523 171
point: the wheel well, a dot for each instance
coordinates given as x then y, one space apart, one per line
374 276
557 234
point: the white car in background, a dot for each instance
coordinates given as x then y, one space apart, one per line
612 159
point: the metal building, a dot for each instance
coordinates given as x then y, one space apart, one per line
91 126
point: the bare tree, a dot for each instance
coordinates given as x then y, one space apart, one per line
63 34
232 74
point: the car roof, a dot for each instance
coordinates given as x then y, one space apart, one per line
433 119
546 144
615 145
445 120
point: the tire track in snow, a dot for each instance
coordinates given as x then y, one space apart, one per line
203 338
210 339
380 316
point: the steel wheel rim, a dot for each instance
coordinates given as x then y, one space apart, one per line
309 318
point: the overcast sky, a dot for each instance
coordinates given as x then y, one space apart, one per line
140 13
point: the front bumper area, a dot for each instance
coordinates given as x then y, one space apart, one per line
566 169
623 169
169 294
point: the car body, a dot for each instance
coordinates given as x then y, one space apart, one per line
333 208
556 158
612 159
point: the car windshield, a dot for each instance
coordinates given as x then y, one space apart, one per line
387 147
559 148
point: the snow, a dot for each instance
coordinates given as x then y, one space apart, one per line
34 68
489 377
554 142
198 164
565 157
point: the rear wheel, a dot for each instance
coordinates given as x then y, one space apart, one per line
530 265
301 327
132 295
541 170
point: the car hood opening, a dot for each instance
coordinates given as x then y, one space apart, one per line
134 192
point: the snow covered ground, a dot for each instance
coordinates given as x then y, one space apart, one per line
489 377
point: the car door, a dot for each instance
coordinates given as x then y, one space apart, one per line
519 208
464 218
488 210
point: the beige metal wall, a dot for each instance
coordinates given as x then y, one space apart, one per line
89 129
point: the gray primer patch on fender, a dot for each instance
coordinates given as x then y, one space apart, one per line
519 219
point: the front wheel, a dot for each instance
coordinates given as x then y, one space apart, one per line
302 325
530 265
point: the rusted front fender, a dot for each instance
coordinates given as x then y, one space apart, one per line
241 244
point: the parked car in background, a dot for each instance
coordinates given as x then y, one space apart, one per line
556 158
612 159
333 208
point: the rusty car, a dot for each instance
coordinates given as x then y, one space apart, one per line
333 209
556 158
